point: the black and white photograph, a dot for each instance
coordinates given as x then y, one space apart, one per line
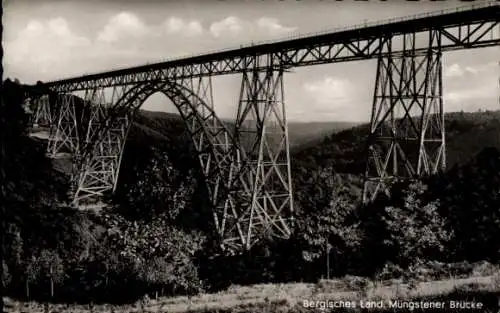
245 156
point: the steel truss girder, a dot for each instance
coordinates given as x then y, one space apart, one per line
460 30
464 36
263 180
407 134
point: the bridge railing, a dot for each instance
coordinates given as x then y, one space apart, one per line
386 21
343 28
295 36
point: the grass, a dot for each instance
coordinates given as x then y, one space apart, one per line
289 297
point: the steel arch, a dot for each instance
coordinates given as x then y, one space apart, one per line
212 140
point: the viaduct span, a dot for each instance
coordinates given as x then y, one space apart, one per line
247 167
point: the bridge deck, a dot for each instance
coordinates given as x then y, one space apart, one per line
461 29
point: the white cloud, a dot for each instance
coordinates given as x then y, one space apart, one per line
230 25
330 90
491 67
188 28
471 69
329 98
453 70
42 45
44 49
122 25
54 30
59 28
273 26
454 96
33 27
472 86
456 70
486 90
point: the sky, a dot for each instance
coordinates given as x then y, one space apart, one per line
54 39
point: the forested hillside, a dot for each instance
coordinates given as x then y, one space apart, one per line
466 135
155 236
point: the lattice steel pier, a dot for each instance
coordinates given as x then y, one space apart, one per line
407 133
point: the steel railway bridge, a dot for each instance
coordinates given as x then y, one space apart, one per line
247 168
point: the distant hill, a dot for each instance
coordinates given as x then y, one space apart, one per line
310 133
300 133
341 145
466 135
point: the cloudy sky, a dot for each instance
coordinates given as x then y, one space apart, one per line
52 39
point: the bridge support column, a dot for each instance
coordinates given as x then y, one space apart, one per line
43 114
264 175
407 134
96 173
64 136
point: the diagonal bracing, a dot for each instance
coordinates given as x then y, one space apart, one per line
221 157
64 138
97 173
43 113
263 181
406 137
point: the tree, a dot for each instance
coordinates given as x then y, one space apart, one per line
471 201
157 245
29 185
13 247
32 273
325 223
52 268
152 186
408 229
158 272
6 278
